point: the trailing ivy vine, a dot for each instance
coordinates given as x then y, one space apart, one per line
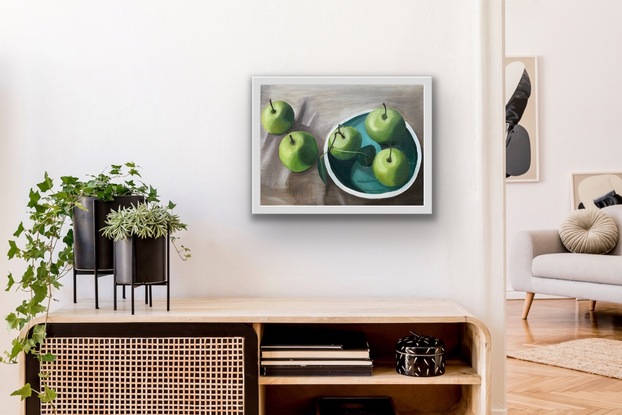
44 245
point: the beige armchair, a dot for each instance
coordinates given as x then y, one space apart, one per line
539 263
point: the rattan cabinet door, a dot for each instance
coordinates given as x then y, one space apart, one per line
148 368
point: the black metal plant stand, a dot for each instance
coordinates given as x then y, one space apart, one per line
148 285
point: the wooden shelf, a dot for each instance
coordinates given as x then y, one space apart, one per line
455 374
464 388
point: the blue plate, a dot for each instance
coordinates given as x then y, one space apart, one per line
357 179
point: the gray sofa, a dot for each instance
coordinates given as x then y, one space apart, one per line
539 263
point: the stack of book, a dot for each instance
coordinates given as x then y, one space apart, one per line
306 352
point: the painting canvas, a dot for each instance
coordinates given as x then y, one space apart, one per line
342 145
596 190
521 140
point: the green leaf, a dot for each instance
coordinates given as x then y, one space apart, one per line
27 277
31 307
17 348
10 283
38 333
48 357
56 284
68 239
13 250
40 291
48 395
30 346
15 323
152 195
81 206
23 392
366 155
19 230
54 270
46 184
37 309
33 198
69 180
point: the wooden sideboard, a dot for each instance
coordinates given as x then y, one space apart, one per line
463 389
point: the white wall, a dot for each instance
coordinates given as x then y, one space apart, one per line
579 100
167 85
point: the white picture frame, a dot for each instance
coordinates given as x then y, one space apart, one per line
320 104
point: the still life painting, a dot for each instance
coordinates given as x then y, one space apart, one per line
342 145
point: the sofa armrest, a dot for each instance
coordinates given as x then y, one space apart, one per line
525 247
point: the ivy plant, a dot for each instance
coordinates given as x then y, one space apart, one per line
44 245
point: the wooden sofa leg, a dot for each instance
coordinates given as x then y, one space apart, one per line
527 305
592 305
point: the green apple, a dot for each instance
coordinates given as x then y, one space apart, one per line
277 117
344 142
385 125
298 151
390 167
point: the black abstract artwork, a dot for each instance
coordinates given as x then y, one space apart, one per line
517 143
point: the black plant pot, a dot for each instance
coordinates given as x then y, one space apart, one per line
90 247
141 261
87 224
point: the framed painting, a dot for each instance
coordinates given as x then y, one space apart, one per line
596 190
521 119
342 145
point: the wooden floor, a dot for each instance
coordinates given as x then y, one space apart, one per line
541 389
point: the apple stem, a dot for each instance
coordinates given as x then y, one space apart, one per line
291 139
332 143
389 160
339 132
272 106
384 116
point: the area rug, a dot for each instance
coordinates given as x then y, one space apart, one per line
598 356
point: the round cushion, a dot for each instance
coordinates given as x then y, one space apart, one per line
589 231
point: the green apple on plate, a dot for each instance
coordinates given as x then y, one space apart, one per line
385 125
345 142
277 117
298 151
390 167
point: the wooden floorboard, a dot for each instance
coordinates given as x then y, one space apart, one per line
536 389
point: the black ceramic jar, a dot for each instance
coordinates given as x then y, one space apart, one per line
420 356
